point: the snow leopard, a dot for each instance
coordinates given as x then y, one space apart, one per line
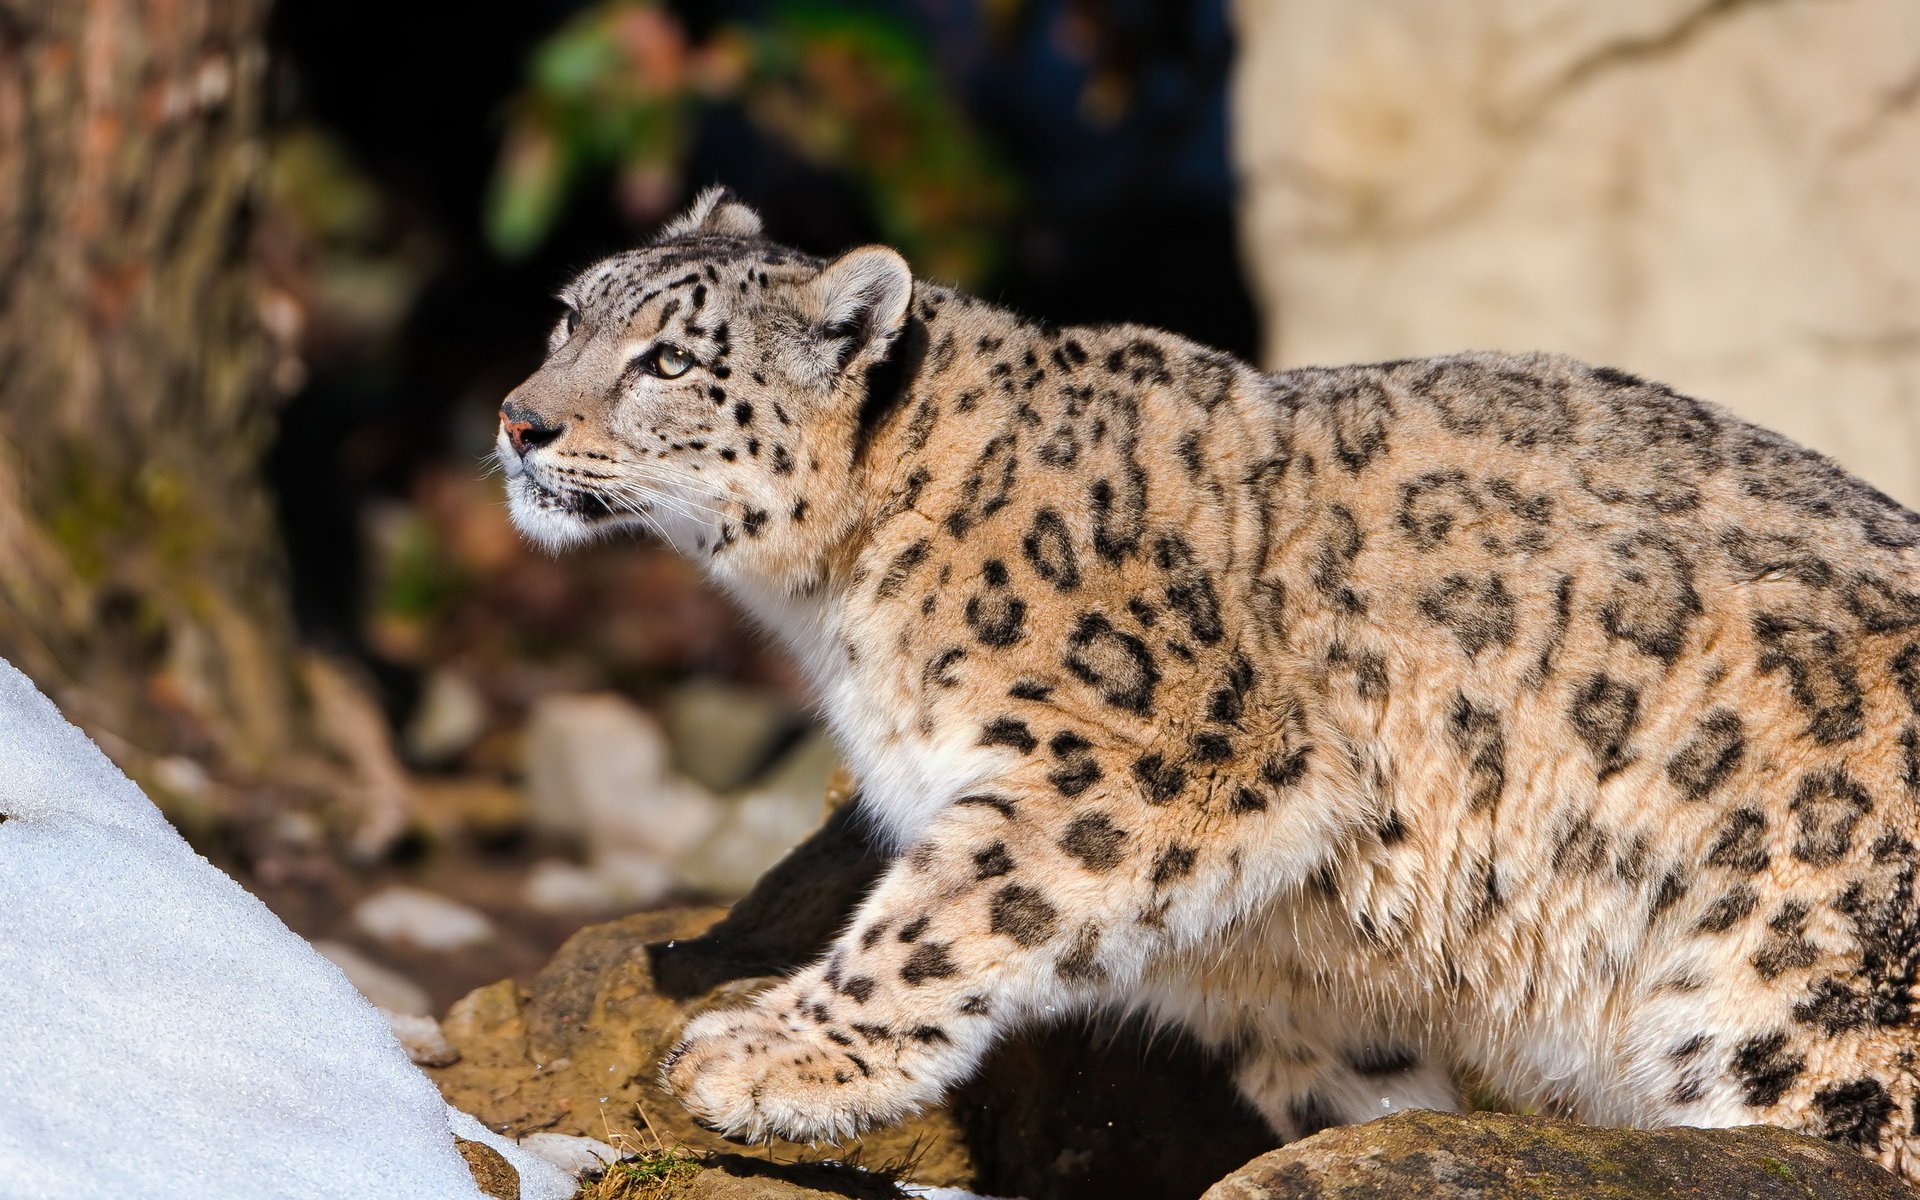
1490 713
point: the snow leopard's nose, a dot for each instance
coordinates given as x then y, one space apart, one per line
524 428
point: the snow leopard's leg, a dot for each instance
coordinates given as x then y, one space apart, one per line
1303 1080
1014 906
1301 1059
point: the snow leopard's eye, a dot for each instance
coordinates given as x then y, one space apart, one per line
665 361
562 331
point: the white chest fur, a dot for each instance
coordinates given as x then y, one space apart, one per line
907 773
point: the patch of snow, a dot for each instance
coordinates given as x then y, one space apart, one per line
539 1179
426 920
162 1034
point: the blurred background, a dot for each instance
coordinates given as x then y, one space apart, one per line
266 271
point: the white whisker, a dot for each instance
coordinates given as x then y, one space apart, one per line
678 474
686 502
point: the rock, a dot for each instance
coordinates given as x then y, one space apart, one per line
451 716
608 884
421 1038
724 734
578 1052
1054 1114
384 986
1493 1156
492 1173
407 916
1718 196
569 1152
181 776
597 774
539 1179
762 825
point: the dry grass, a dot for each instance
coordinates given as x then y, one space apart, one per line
647 1175
647 1169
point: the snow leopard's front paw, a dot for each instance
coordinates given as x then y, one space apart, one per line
752 1073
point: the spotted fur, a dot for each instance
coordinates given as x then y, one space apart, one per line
1489 712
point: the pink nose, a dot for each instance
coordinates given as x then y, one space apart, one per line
524 429
516 432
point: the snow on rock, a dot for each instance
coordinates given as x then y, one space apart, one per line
162 1034
539 1179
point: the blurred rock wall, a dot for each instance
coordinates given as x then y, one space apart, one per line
1720 194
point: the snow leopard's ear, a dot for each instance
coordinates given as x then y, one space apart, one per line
716 213
859 303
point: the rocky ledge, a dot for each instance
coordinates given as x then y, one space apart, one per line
1494 1156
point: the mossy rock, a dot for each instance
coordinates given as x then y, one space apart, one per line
1495 1156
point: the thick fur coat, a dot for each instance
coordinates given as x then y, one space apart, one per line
1373 723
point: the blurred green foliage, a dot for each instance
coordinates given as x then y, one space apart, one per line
618 91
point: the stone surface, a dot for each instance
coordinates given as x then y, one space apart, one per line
606 883
492 1173
570 1152
408 916
1492 1156
759 827
451 716
598 774
578 1051
724 734
1052 1115
1716 195
421 1038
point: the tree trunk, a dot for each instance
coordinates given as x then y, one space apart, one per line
142 586
1720 194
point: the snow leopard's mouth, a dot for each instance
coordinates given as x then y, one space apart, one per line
558 516
574 502
571 502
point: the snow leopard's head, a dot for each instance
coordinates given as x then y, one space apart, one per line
706 387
